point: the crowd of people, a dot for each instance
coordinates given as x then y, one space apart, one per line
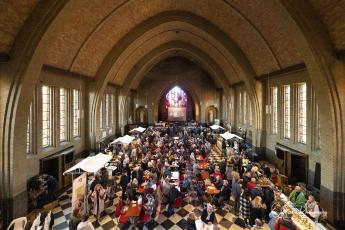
167 165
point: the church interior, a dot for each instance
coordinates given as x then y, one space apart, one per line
172 114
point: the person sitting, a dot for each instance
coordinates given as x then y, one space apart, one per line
297 197
285 222
208 216
312 209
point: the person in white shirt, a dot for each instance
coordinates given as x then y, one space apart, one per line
85 224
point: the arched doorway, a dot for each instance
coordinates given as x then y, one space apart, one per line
176 104
211 114
141 115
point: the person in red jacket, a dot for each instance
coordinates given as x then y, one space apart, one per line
251 184
285 223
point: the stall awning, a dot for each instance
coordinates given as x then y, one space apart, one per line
90 164
215 127
123 140
139 130
228 136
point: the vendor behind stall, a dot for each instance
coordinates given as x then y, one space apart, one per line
297 197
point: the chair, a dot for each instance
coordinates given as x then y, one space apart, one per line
18 224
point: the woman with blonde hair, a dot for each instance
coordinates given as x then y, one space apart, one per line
258 210
98 196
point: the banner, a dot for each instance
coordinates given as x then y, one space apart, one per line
177 114
79 193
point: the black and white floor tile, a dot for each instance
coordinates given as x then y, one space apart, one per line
177 221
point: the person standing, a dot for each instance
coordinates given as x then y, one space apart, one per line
98 197
236 191
258 210
285 222
273 216
124 180
85 224
245 206
75 219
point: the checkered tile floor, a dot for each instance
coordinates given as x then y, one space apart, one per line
225 216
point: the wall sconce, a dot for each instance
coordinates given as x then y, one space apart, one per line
145 106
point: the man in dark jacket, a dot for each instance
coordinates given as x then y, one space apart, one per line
190 224
138 174
173 195
224 195
208 216
268 198
124 180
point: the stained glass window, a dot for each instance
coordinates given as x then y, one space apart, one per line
176 98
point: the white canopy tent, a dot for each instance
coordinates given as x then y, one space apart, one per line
123 140
228 136
90 164
215 127
138 129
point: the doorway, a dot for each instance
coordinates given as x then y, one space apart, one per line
292 164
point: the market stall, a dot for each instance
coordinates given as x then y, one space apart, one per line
89 164
79 187
138 130
123 140
216 127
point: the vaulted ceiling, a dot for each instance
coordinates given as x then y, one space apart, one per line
256 29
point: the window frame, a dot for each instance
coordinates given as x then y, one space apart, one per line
274 105
47 125
286 111
76 113
65 111
302 132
